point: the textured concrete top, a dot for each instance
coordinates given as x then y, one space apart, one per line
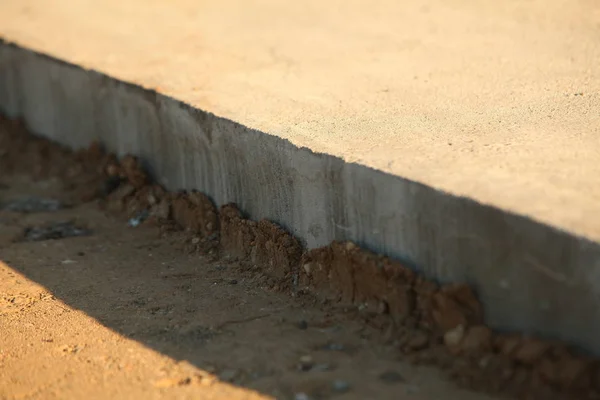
497 101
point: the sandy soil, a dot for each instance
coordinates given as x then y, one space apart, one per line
113 288
126 312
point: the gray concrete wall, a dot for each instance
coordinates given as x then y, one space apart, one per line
531 277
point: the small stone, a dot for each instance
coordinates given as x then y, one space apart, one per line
350 246
391 377
340 386
453 337
305 363
306 359
113 170
196 240
205 380
139 218
334 347
307 268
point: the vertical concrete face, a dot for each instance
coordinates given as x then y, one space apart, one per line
531 277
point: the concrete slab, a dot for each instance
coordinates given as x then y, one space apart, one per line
464 138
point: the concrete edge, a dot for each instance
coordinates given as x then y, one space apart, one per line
531 277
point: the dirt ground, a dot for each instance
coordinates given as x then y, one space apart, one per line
124 313
110 287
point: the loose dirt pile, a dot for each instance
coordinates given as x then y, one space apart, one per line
428 323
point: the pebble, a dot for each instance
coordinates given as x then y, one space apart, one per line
334 347
307 268
112 170
151 200
453 337
139 218
340 386
305 363
306 359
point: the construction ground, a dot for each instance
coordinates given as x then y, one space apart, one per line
309 200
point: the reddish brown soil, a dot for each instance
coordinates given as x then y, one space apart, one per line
391 316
